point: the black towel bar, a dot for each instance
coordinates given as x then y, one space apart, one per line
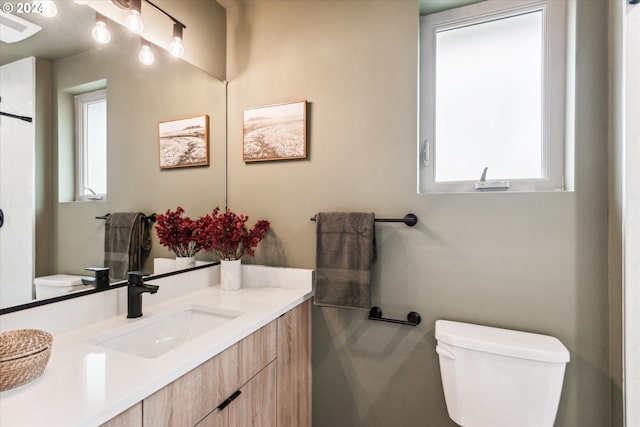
413 318
409 219
15 116
151 217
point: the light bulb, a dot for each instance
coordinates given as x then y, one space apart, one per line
134 22
146 55
48 8
176 48
101 33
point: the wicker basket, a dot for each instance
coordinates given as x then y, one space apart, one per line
24 354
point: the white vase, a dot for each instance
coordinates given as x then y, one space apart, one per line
183 262
230 275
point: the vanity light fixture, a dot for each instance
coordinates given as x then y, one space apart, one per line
48 8
146 54
100 32
177 47
134 23
134 20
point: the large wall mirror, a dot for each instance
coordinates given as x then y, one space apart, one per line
61 234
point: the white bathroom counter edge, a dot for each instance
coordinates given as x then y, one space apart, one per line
87 385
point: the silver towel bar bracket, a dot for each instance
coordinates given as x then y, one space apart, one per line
413 318
409 219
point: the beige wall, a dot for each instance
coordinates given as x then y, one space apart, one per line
138 98
44 191
616 158
534 261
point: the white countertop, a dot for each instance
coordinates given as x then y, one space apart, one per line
86 385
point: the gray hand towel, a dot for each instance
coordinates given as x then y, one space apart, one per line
345 250
127 240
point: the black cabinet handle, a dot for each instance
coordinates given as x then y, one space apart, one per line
229 400
1 218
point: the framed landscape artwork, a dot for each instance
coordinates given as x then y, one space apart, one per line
184 142
275 132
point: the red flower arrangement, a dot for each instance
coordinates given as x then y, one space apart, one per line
178 233
226 235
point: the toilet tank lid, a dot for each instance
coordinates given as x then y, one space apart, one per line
506 342
58 280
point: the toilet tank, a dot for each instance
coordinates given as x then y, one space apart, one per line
496 377
57 284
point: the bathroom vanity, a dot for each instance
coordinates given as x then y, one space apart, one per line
254 369
270 368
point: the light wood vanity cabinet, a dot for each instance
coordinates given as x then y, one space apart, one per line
294 367
132 417
271 368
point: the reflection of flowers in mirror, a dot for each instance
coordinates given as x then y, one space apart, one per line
178 233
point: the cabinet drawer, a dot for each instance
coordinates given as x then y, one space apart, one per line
256 406
196 394
256 351
217 418
132 417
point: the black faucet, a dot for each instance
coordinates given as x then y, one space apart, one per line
135 288
101 279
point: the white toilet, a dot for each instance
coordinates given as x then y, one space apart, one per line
57 284
496 377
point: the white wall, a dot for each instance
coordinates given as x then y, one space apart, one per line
17 156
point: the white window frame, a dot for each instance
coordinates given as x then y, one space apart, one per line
83 193
553 90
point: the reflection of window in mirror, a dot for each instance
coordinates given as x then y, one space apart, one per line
492 96
91 145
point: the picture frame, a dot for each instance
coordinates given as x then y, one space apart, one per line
275 132
184 142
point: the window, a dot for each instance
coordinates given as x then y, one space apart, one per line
91 145
492 96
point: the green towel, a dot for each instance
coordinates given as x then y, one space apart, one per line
126 241
345 251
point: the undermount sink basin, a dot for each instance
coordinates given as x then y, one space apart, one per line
158 334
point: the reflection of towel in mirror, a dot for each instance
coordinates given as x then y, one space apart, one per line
127 240
345 250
